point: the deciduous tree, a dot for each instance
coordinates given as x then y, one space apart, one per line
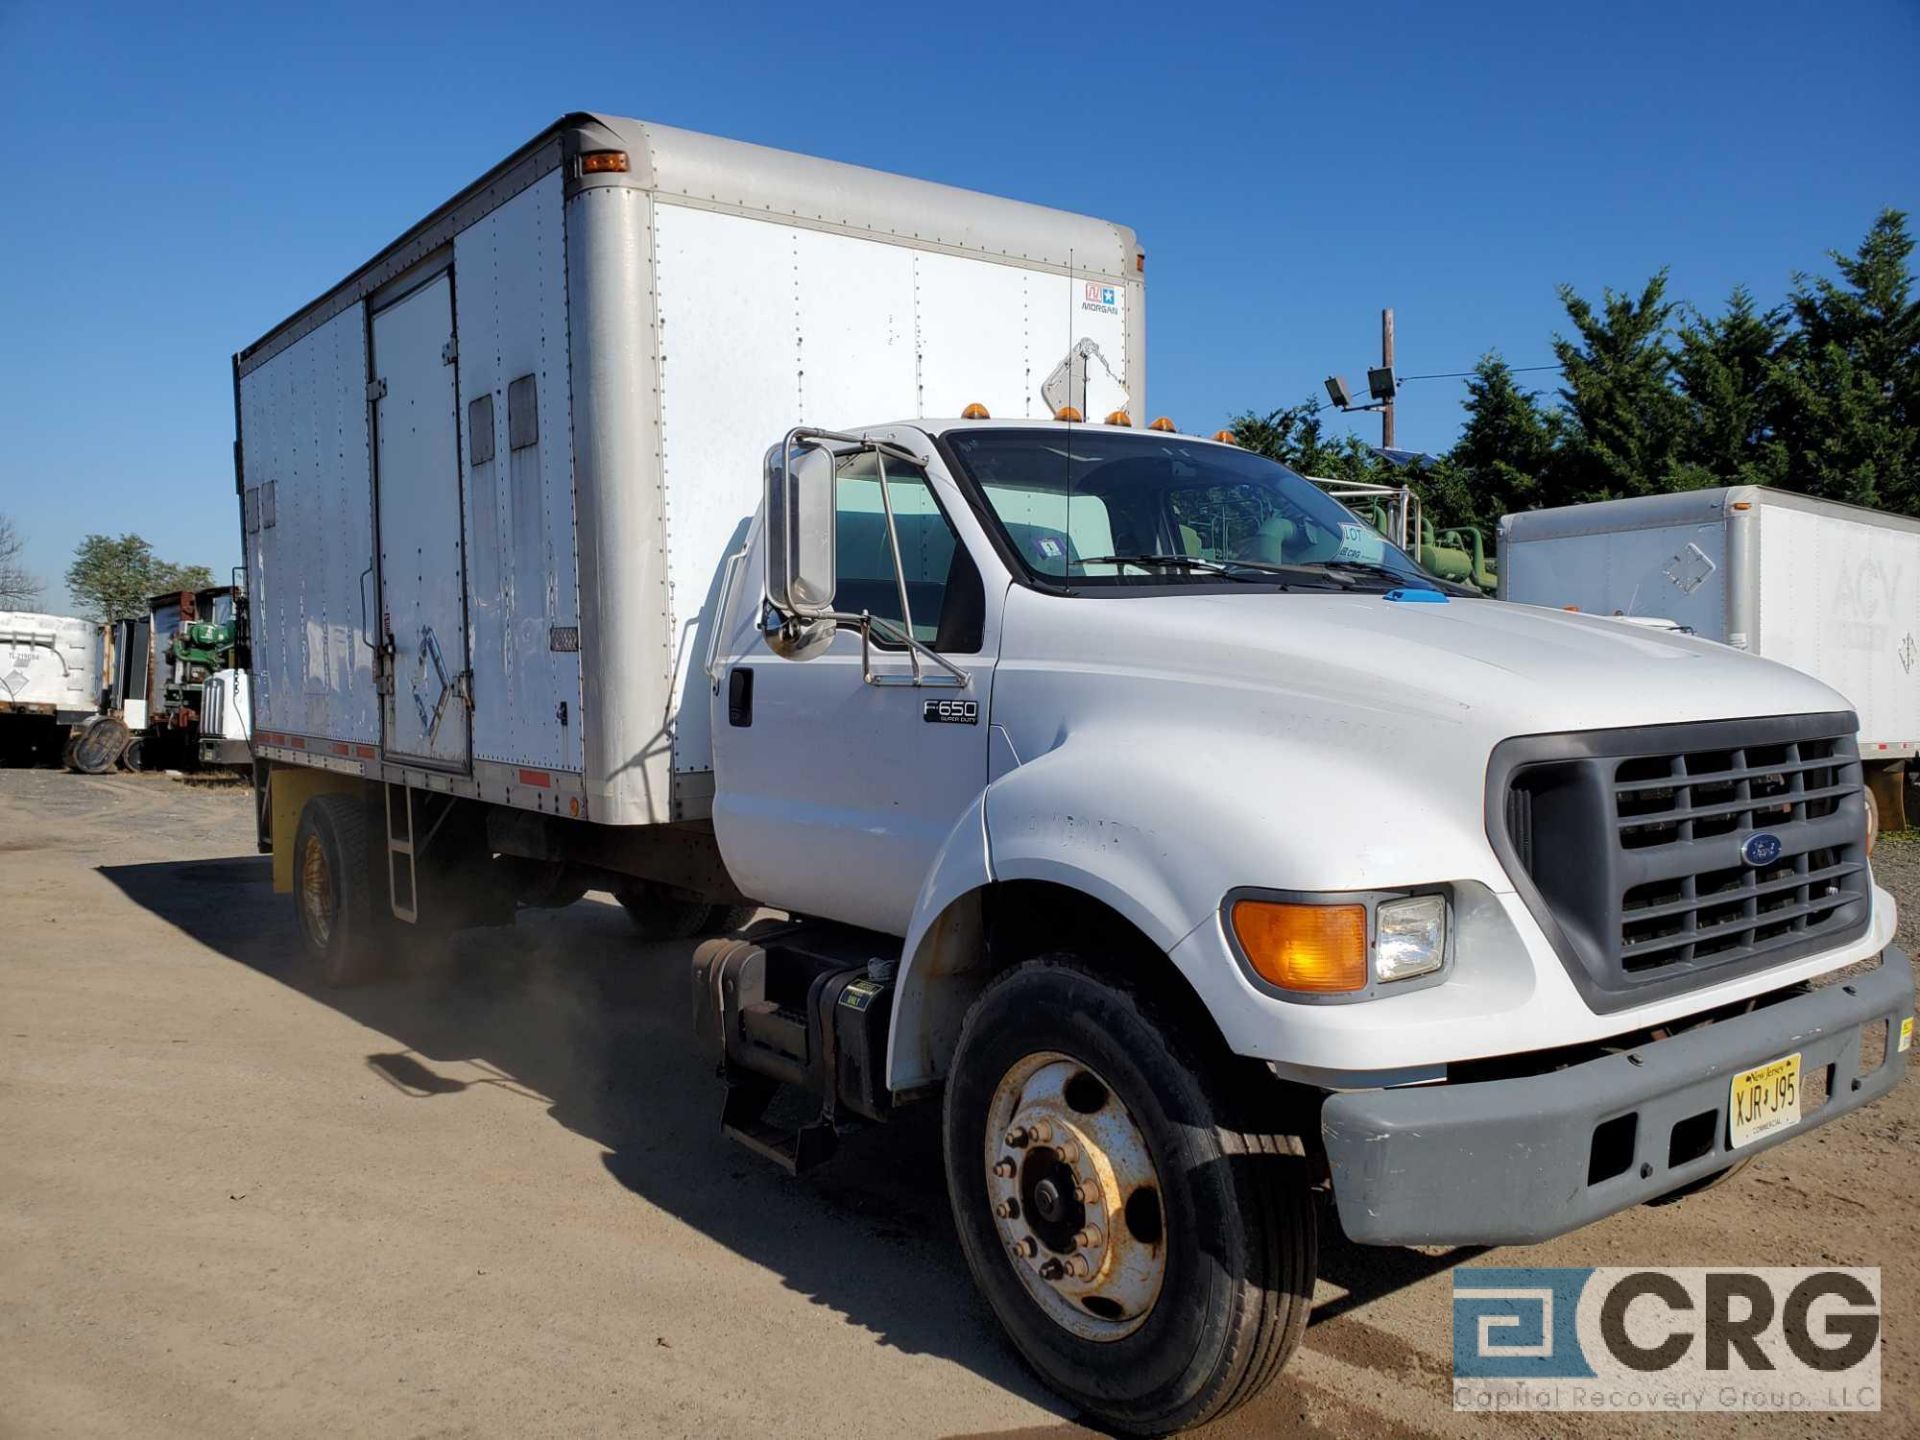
113 579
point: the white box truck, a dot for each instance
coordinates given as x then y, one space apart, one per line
1827 588
50 682
1192 846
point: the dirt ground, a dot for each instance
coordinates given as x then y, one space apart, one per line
490 1197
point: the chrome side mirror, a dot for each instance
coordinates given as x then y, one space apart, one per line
800 530
797 621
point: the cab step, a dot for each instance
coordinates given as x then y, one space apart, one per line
796 1151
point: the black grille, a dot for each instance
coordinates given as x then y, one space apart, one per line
1632 846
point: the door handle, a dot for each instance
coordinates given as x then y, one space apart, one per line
365 575
740 695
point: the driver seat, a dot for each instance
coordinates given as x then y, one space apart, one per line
1269 543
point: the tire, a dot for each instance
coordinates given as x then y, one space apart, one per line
340 923
659 915
1229 1224
130 758
1705 1182
95 747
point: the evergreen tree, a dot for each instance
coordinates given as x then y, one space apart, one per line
1624 419
1506 449
1849 377
1726 369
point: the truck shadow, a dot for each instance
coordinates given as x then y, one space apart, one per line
569 1010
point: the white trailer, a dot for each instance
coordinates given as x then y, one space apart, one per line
1193 844
1827 588
50 680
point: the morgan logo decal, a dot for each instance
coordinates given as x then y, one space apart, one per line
951 712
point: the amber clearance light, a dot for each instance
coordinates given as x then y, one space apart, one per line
1315 949
603 162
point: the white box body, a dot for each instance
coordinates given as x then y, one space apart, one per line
519 446
49 664
1827 588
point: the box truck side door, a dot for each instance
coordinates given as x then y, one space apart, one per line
833 795
422 557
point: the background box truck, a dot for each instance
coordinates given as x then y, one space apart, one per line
1188 842
50 681
1827 588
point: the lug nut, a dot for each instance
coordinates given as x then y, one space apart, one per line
1018 1137
1005 1168
1068 1151
1052 1270
1088 1239
1089 1192
1023 1248
1040 1132
1078 1267
1008 1209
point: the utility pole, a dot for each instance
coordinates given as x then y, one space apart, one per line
1386 361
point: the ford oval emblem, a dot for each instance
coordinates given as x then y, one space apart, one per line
1761 849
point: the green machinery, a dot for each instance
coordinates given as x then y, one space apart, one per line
1460 554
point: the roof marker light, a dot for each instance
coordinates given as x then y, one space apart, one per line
975 411
1120 417
602 162
1067 412
1163 423
1226 437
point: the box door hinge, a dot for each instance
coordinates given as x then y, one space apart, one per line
376 390
450 351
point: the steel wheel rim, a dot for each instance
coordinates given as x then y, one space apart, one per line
1075 1197
316 892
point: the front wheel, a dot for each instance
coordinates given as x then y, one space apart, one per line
1152 1260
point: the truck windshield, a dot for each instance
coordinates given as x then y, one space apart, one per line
1090 508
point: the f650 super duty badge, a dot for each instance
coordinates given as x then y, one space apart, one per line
951 712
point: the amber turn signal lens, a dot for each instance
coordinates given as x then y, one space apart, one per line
1315 949
602 162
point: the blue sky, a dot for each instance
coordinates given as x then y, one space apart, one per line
177 179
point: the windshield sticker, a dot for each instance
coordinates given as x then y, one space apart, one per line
1359 543
1049 547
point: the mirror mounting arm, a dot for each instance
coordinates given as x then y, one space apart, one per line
899 569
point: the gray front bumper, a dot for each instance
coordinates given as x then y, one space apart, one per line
1501 1162
225 752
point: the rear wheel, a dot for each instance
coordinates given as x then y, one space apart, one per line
1149 1258
658 914
340 918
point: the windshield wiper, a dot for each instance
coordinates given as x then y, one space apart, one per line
1385 572
1170 562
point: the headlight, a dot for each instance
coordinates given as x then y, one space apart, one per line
1410 938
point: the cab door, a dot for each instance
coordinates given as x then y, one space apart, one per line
835 794
415 393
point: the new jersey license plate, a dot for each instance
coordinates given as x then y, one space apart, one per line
1763 1100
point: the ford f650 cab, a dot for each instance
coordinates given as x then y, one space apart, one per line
1124 795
